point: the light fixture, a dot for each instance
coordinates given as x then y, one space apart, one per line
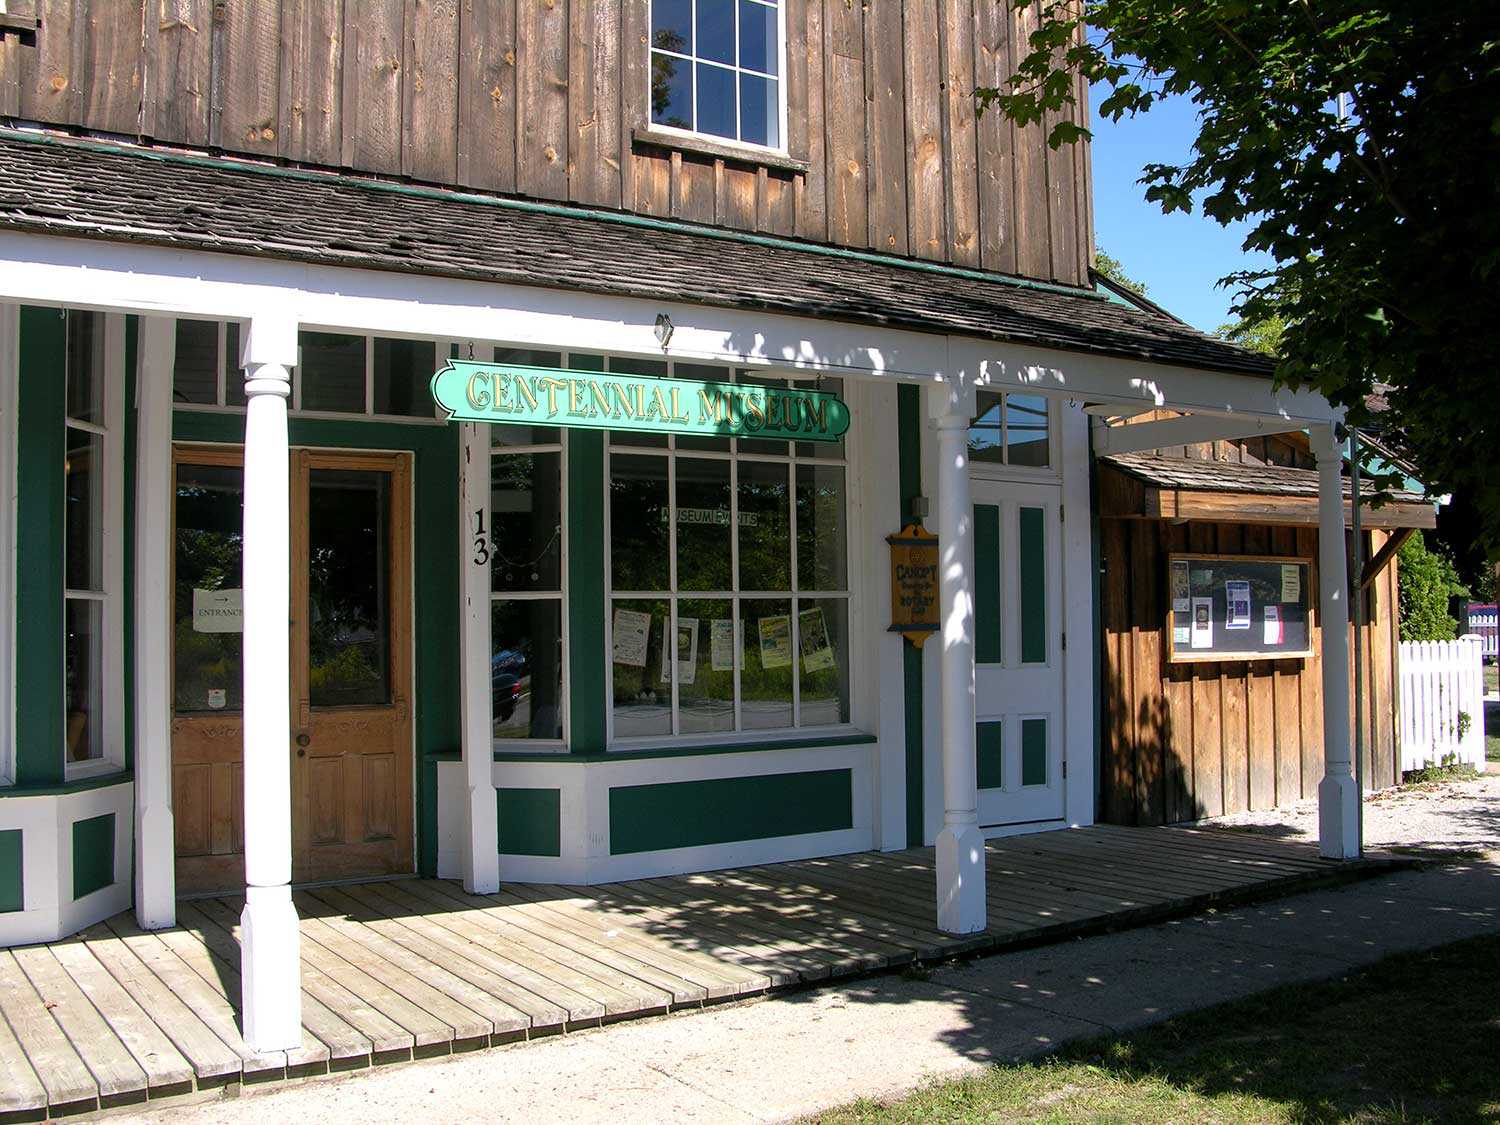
663 330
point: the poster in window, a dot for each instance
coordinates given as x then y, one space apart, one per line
776 641
721 644
817 650
687 650
631 630
1237 604
1203 623
1181 589
1291 582
1274 632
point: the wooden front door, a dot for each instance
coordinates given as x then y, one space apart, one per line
350 689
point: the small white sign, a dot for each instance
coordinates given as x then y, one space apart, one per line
630 632
1237 598
721 644
1203 623
218 611
217 698
1291 582
1274 629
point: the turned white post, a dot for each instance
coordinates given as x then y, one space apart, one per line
155 878
1338 794
481 851
270 954
960 845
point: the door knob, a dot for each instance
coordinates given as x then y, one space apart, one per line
304 740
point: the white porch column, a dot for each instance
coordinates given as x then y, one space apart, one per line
270 957
1338 794
481 852
155 879
960 845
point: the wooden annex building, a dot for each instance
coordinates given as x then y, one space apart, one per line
1182 740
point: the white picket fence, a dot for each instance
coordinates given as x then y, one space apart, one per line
1442 703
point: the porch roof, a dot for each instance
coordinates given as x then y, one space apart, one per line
55 184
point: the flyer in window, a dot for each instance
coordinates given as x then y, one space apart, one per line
776 641
1275 628
817 651
630 632
687 649
1203 623
1237 595
1291 582
218 611
1181 593
721 644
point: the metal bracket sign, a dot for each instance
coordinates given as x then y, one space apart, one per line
548 396
914 583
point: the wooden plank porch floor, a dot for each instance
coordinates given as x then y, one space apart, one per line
417 967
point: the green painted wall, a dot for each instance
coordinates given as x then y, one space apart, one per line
93 854
12 881
685 814
530 821
587 698
41 447
435 575
909 456
990 755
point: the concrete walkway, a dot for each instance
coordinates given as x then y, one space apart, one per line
795 1054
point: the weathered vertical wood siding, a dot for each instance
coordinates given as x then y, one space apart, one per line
1183 741
540 97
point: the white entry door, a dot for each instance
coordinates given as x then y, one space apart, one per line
1018 651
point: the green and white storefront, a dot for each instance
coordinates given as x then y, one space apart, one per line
537 648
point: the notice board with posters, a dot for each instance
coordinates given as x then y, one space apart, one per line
1238 607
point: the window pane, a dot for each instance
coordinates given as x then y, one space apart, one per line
526 521
206 651
821 539
234 374
671 91
716 101
824 450
985 434
767 664
84 528
703 552
758 36
83 653
823 627
672 25
765 550
707 373
650 368
760 115
705 666
503 433
638 522
527 357
195 368
715 32
526 669
85 369
333 372
1026 430
642 696
348 587
403 373
761 445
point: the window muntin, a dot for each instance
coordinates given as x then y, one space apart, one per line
729 588
716 68
1011 429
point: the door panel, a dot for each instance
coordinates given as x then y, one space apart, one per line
1018 651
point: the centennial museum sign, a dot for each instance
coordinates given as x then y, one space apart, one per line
547 396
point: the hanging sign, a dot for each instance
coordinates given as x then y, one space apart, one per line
914 583
547 396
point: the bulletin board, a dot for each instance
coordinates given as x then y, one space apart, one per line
1238 607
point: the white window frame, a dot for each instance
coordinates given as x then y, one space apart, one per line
755 736
693 60
10 356
112 557
560 447
1050 473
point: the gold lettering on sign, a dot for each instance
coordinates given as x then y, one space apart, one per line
914 583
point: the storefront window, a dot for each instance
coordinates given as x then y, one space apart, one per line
1011 429
729 583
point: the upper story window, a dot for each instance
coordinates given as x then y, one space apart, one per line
1011 429
716 68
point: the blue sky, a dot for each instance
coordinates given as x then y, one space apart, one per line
1178 257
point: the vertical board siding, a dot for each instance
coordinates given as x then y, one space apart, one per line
996 141
885 127
251 78
181 61
844 120
806 73
1185 741
487 94
312 93
429 119
542 98
960 137
594 170
374 45
922 76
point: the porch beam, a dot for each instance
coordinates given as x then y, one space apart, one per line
155 877
270 951
1338 795
1136 437
1383 556
960 844
481 845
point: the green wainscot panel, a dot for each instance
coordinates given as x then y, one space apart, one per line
990 757
1033 751
987 643
686 814
93 854
12 886
530 821
1033 570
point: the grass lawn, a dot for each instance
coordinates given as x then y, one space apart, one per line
1406 1040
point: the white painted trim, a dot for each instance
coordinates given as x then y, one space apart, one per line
47 269
481 867
1080 703
10 371
1188 430
155 877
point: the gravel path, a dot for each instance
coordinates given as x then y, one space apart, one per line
1439 817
